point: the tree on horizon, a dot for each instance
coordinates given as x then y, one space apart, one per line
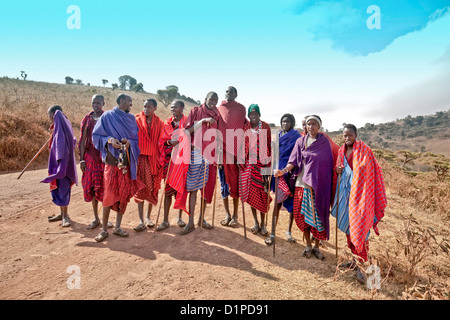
166 96
69 80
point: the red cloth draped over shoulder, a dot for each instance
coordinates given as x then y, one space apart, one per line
149 139
233 118
88 124
367 194
198 138
176 177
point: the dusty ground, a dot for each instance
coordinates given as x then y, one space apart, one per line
217 264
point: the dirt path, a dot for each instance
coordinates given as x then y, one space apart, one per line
205 264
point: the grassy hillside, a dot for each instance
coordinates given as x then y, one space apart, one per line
23 115
417 134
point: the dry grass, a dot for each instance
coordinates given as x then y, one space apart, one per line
23 115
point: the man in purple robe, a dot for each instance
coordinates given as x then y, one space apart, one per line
62 168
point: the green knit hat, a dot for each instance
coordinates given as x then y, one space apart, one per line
253 107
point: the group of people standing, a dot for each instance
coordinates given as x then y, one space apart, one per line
125 156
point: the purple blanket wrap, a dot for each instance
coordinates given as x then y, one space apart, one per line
318 173
61 160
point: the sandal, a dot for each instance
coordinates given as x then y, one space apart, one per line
55 218
255 229
94 224
360 276
289 237
318 254
226 222
233 223
205 225
139 228
120 232
149 223
181 223
263 231
109 225
307 253
269 241
65 223
187 229
163 225
101 236
348 265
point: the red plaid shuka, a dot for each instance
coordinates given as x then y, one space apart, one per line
152 181
92 179
149 165
179 165
119 188
367 195
251 180
233 116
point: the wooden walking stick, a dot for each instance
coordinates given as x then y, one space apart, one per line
215 194
274 146
268 193
34 158
163 194
243 219
337 211
202 209
274 217
243 210
275 162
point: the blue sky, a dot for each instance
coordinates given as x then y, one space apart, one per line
301 56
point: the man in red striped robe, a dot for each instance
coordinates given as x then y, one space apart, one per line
91 160
362 199
149 168
232 125
172 143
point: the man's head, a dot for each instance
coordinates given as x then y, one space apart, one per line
177 108
51 111
231 93
124 102
254 114
349 134
149 107
98 101
211 100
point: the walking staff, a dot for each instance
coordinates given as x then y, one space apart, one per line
34 158
275 160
